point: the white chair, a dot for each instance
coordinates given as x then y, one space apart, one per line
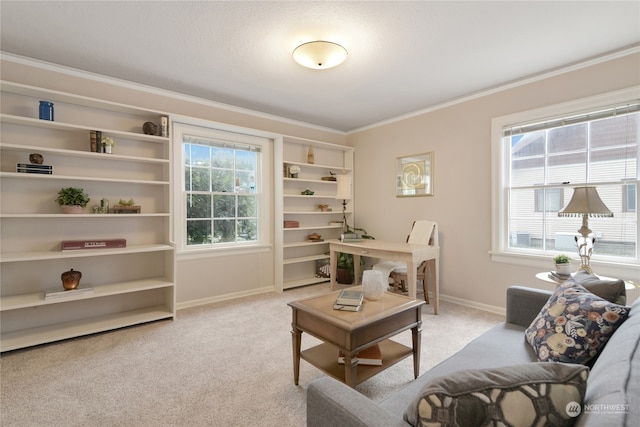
423 232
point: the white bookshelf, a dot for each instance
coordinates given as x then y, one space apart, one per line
130 285
296 258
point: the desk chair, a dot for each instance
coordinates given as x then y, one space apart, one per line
424 232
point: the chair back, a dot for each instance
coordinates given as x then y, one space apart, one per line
424 232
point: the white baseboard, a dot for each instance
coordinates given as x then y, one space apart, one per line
473 304
225 297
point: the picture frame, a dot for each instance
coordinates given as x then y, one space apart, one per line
414 175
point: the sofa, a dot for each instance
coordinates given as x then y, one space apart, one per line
610 394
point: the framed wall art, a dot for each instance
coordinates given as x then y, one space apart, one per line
415 175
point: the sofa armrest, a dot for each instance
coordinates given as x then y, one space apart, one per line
524 304
331 403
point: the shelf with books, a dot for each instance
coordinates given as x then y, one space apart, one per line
130 285
301 165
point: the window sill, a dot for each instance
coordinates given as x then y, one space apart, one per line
222 252
626 270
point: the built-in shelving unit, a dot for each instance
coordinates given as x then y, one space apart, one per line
129 285
298 259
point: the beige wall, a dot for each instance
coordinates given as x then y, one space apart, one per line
460 136
203 279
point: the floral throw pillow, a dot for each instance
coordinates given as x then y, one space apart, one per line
574 325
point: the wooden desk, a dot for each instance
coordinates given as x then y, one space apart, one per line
411 253
353 332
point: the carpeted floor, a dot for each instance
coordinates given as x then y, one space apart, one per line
223 364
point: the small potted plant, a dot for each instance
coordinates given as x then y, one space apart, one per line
72 200
563 264
108 143
294 171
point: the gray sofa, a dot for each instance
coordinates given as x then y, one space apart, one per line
614 378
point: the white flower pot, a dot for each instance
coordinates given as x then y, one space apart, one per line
75 209
563 268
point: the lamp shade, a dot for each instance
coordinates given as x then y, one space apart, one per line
585 200
319 54
344 187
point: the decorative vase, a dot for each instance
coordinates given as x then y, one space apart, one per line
46 110
373 284
72 209
310 158
71 279
108 149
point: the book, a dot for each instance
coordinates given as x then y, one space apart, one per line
348 297
350 237
93 244
38 171
342 307
558 277
33 166
371 356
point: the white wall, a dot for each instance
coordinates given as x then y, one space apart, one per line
460 136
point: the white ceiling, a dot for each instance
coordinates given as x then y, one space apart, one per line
403 56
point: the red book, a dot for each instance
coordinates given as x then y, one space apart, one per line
93 244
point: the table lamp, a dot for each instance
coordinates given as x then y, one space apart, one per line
343 192
585 202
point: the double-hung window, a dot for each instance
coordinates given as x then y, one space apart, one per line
220 189
543 154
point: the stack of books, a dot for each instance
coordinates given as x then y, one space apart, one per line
558 277
34 168
350 237
371 356
349 300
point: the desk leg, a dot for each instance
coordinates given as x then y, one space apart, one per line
411 279
416 335
333 262
356 269
296 337
436 291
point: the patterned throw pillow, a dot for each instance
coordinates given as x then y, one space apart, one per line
533 394
574 325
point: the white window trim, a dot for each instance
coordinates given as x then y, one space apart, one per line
181 126
499 252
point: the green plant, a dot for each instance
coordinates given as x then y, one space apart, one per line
71 196
107 140
561 259
345 261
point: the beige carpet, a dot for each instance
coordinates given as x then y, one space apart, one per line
223 364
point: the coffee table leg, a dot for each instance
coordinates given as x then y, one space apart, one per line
350 369
296 337
416 334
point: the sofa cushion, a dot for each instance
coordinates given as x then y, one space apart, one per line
574 325
611 290
531 394
500 346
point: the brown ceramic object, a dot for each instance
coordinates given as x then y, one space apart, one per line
36 158
71 279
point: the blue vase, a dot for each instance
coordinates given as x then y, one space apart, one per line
46 110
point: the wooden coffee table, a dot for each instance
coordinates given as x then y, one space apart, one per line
352 332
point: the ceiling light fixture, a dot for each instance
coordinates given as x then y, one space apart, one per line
320 54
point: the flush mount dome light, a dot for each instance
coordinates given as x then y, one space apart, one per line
320 54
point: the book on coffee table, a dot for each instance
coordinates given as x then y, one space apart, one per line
337 306
348 297
371 356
